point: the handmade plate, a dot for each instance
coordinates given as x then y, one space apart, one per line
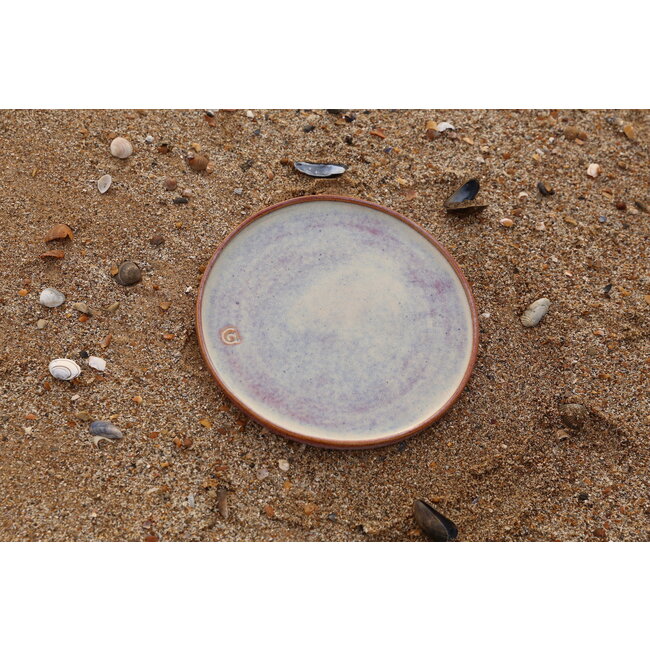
337 322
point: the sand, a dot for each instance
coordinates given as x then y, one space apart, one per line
494 463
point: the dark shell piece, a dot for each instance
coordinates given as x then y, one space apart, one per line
545 189
463 197
318 170
105 429
433 524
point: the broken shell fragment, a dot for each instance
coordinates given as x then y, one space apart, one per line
445 126
55 253
59 231
434 524
51 297
535 312
545 189
64 369
105 429
463 197
121 148
593 170
128 273
318 170
97 363
574 415
104 183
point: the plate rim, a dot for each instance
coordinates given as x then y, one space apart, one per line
312 440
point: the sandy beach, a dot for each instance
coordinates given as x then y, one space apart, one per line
191 467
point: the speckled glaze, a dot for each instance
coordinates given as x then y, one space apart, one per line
337 322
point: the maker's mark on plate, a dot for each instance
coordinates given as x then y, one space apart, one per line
230 336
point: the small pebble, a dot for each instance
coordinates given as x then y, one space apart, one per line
593 170
602 219
170 184
81 307
238 191
180 200
188 194
283 465
445 126
129 273
250 115
41 323
574 415
149 139
506 223
262 473
113 308
157 240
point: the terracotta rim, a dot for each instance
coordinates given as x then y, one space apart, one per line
319 442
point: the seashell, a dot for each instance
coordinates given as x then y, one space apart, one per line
64 369
198 163
51 297
574 415
506 222
59 231
445 126
593 170
149 139
535 312
433 524
463 197
105 429
97 363
121 148
128 273
82 307
545 189
318 170
97 440
55 253
104 183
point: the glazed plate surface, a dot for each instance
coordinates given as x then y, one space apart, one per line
337 322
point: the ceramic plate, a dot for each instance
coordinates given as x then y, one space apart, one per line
337 322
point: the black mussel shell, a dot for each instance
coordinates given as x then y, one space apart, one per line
318 170
463 197
545 189
433 524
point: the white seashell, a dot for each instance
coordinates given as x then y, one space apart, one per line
445 126
593 170
104 183
535 312
51 297
121 148
97 363
64 369
250 115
